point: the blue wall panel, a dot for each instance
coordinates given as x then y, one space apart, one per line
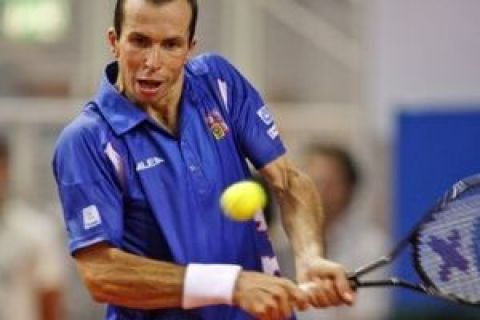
432 151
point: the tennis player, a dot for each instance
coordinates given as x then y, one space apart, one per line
141 169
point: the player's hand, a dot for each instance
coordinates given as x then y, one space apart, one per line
325 282
267 297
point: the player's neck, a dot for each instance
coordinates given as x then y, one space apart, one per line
166 117
166 111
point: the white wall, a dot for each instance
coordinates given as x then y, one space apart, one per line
421 52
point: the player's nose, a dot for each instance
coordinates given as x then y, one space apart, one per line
154 59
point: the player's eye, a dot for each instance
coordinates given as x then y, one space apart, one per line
140 41
172 44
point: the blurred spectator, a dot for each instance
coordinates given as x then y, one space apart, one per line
31 276
352 238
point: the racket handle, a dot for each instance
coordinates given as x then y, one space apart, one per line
370 266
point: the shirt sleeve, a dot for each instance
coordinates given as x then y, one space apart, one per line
252 121
90 195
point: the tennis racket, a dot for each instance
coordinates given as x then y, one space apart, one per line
445 248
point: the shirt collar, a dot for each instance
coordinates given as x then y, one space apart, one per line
120 113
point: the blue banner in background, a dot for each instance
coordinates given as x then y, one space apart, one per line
432 150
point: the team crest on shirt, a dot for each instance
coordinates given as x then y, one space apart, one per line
217 124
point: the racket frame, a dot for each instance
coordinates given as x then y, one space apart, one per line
427 287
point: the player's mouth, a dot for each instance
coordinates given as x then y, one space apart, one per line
149 87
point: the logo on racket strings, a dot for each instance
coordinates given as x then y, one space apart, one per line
449 251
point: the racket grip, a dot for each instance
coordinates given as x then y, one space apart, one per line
307 286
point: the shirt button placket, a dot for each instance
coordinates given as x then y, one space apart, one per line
194 169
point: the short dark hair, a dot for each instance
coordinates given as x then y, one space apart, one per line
119 15
341 155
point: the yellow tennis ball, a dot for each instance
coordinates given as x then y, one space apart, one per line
242 200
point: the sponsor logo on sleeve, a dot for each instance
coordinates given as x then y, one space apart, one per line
91 217
264 114
273 132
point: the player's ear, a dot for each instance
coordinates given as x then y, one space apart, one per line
112 41
192 47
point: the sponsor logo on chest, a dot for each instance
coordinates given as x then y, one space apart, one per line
149 163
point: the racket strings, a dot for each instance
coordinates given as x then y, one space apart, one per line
448 248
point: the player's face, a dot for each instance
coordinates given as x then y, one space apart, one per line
152 50
331 182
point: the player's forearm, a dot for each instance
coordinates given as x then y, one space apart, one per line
119 278
302 214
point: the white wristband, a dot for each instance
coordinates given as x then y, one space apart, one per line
209 284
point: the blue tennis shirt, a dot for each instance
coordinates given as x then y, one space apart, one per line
124 180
